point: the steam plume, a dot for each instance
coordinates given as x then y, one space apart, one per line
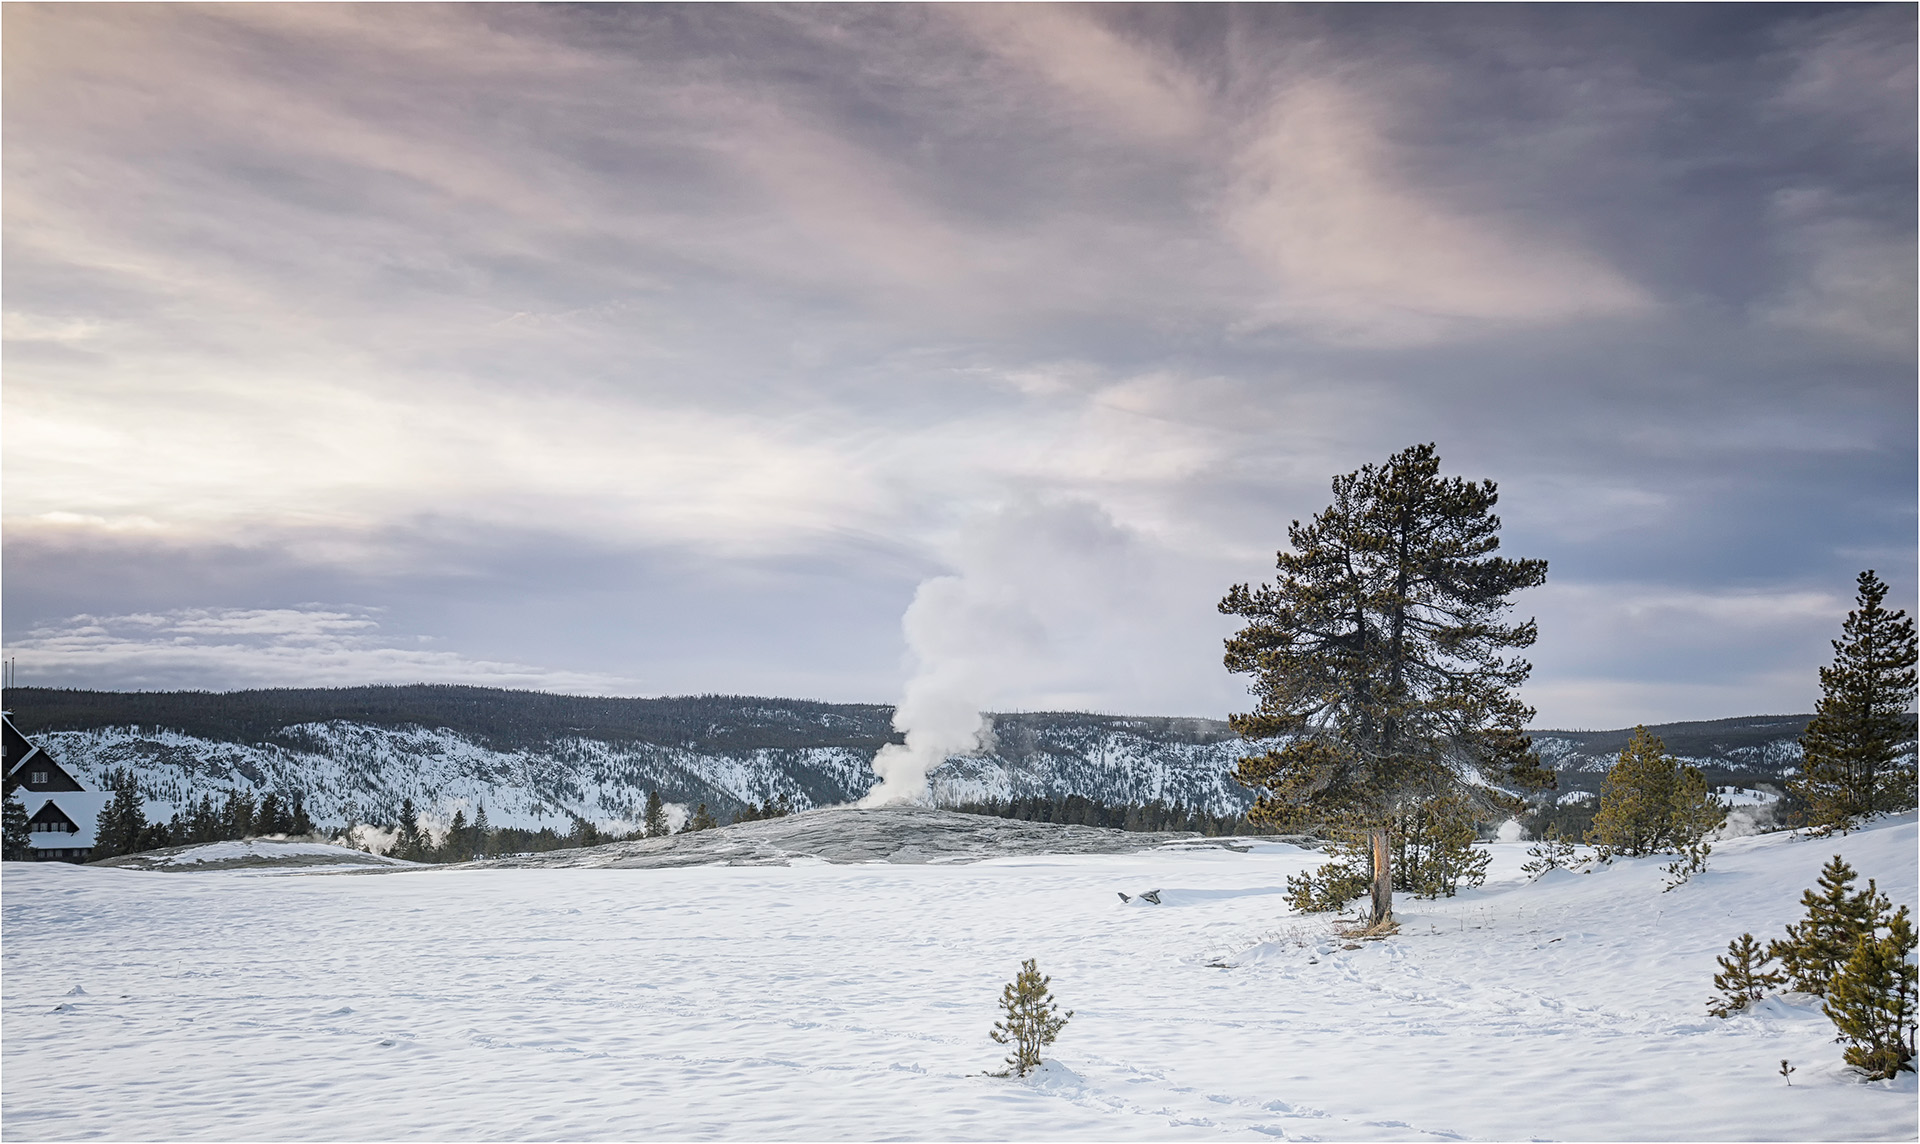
1054 606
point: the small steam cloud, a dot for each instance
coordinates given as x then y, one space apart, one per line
1054 606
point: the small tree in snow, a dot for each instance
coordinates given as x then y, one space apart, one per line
1743 977
1550 853
1837 916
1033 1017
19 843
1871 998
656 816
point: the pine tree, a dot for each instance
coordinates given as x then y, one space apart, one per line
1552 852
458 847
1033 1017
701 820
1378 656
656 820
1871 999
1823 940
122 822
409 840
1337 882
301 824
1853 766
1433 852
267 821
1743 978
238 816
1650 802
482 834
206 824
18 841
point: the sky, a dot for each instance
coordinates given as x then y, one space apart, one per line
812 350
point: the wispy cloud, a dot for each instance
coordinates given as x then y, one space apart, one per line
226 649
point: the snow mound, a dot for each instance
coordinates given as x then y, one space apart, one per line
250 853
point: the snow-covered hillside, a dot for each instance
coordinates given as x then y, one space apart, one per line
852 1001
358 772
1758 746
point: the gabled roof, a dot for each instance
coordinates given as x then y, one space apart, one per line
24 758
15 748
83 807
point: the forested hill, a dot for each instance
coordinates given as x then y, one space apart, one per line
504 720
499 719
358 753
1757 743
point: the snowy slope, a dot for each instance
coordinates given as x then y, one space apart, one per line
825 1001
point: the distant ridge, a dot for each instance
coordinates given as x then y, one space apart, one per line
539 758
503 717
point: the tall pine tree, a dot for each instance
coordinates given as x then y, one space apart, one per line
1853 765
1379 656
122 825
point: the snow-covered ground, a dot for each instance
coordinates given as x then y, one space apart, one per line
821 1001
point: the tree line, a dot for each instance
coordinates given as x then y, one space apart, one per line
122 827
467 840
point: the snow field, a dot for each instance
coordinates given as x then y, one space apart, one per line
853 1002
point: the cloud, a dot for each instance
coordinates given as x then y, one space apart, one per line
1612 655
1854 277
433 302
1358 253
1130 87
235 648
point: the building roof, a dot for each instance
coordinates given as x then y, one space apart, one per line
82 806
25 759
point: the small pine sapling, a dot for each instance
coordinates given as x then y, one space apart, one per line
1743 978
1787 1071
1836 917
1033 1018
1433 850
1692 860
1333 884
1871 999
1550 853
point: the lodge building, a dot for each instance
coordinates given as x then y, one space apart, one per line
61 811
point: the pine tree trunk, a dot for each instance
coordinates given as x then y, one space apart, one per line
1382 880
